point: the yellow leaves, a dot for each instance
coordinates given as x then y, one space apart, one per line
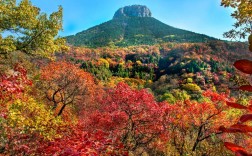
26 14
132 82
138 62
243 15
103 62
191 87
37 34
29 115
60 44
7 44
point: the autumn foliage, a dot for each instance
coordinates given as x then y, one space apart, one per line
108 121
65 84
166 99
194 125
13 83
78 142
243 125
133 116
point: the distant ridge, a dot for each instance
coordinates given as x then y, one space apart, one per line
133 25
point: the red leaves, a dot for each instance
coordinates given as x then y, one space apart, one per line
245 118
14 83
238 150
242 128
235 148
214 96
241 153
236 128
244 65
236 105
125 111
246 88
79 142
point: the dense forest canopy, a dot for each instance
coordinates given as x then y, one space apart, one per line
143 93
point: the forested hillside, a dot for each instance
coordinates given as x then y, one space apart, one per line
130 30
168 67
146 95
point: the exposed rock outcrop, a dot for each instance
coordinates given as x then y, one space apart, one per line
133 11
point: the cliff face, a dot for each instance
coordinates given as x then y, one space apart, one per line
132 11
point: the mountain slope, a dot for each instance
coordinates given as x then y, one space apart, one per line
133 29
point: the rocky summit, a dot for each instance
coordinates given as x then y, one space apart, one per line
133 11
130 26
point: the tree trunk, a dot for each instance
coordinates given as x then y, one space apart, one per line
61 110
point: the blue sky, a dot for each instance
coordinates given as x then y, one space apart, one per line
201 16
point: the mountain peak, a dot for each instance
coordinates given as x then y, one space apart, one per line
141 30
132 11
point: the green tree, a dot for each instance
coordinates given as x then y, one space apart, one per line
243 15
24 28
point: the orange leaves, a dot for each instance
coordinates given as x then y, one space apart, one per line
60 70
198 119
244 65
214 96
194 113
64 83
